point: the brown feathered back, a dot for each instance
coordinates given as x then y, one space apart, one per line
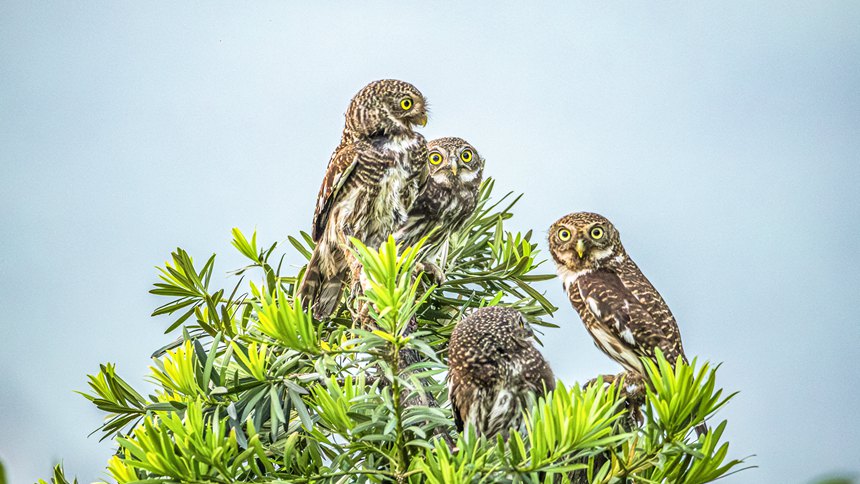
494 370
371 181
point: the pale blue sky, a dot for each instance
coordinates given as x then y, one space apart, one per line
721 138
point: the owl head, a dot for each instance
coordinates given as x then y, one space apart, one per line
583 241
386 107
454 160
497 325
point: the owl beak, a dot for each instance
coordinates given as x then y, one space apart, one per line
580 248
454 168
422 120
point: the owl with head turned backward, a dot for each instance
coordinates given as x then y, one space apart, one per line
446 200
372 179
494 370
622 311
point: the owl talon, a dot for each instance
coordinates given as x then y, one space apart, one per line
434 273
605 379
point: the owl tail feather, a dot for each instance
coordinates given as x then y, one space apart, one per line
321 291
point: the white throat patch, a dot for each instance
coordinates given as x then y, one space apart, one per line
601 254
401 145
468 175
569 277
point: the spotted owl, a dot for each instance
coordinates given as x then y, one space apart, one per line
494 370
620 308
625 315
448 197
372 179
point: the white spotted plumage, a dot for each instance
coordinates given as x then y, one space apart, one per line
494 370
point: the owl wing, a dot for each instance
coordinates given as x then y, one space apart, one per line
461 386
537 376
476 368
636 282
455 410
342 164
621 313
422 218
546 378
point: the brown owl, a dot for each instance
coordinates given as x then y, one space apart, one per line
372 179
621 310
446 200
494 370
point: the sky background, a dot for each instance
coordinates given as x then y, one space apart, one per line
721 138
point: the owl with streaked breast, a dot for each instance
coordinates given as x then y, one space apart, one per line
495 369
622 311
446 200
625 315
372 179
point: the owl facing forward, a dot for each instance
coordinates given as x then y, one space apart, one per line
448 197
372 179
622 311
494 370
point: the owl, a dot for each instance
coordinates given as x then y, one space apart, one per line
621 310
372 179
446 200
494 370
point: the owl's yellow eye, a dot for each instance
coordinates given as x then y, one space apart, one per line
596 232
466 155
435 158
406 103
564 235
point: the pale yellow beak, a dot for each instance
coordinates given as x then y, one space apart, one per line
423 120
580 248
454 167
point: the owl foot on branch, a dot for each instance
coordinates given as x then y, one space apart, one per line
434 273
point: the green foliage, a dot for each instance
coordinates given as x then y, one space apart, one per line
286 323
680 397
486 264
59 477
254 389
567 422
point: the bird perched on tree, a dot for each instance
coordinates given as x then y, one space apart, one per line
372 179
621 310
494 369
446 200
